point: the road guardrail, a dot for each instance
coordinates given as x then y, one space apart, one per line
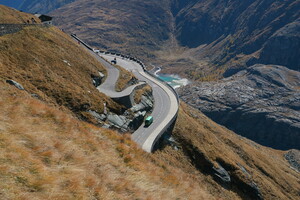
148 149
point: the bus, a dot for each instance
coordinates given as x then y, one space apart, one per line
148 121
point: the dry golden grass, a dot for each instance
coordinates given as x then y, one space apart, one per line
266 167
124 79
146 90
12 16
48 154
50 64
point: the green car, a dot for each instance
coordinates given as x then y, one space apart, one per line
148 121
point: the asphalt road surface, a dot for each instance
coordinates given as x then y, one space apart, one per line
165 104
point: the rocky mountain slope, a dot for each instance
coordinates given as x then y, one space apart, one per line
35 6
237 29
208 34
49 151
261 103
118 25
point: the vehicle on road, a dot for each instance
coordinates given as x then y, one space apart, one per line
148 121
96 50
114 61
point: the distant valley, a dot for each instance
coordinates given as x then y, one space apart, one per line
197 39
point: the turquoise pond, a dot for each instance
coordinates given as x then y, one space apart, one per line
171 80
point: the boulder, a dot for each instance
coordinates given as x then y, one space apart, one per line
118 120
293 157
221 173
97 80
16 84
146 104
100 117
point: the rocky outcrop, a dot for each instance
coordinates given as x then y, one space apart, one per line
97 80
293 157
129 120
261 103
97 116
133 117
14 28
221 173
146 104
15 83
224 172
118 121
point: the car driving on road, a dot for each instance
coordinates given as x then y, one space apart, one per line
114 61
148 121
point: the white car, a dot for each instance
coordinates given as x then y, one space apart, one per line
96 50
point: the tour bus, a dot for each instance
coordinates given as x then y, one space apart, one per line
148 121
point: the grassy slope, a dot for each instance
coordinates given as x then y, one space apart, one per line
48 154
12 16
64 158
118 25
124 79
146 90
203 140
48 63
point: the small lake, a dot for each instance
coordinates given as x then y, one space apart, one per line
173 80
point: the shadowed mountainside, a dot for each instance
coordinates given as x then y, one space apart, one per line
261 103
45 6
209 34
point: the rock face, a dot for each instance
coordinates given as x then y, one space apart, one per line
130 120
261 103
97 80
233 32
15 83
283 47
146 104
221 173
293 157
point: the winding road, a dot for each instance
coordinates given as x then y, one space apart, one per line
165 105
166 102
